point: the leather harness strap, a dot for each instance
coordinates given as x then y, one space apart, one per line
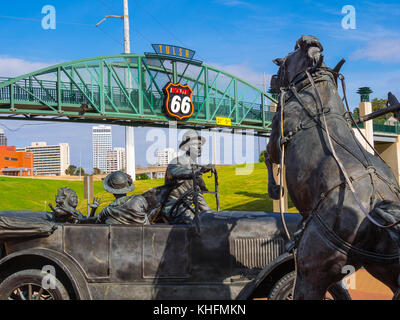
333 240
318 122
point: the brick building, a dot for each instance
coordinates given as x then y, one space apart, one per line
15 163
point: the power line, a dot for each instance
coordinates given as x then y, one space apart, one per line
39 20
63 22
156 20
25 125
110 36
105 5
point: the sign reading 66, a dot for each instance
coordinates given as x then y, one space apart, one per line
178 100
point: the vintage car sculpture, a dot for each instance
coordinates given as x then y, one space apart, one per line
221 255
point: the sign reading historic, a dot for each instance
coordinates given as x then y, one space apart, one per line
178 100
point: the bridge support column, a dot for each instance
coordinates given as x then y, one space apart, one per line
130 152
275 204
366 108
390 152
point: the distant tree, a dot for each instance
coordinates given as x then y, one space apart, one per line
70 171
261 158
356 113
142 176
378 104
96 171
79 170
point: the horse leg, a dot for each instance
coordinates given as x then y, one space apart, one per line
318 265
305 289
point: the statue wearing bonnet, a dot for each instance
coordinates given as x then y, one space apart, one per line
66 203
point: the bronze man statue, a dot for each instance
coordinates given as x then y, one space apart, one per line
180 172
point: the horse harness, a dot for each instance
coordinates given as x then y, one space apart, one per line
301 82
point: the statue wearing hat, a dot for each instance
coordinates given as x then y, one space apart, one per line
124 209
180 173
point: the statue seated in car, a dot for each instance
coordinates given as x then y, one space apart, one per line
124 209
181 173
66 203
133 209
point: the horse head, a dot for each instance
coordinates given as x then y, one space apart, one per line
307 54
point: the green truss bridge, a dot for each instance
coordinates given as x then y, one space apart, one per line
127 89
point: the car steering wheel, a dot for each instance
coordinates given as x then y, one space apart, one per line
185 200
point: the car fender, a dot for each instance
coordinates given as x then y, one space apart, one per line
74 274
272 267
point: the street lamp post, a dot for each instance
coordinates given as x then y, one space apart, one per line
129 132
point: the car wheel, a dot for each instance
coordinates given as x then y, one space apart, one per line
27 285
282 290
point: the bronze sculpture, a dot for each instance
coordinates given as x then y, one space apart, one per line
180 172
124 209
170 201
220 255
66 203
349 198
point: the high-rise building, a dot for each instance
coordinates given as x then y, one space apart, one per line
49 160
165 156
15 163
101 143
3 138
116 160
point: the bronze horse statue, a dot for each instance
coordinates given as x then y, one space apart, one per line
348 197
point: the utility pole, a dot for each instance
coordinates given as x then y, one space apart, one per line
129 132
80 163
265 87
215 147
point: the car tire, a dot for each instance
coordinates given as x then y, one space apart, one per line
282 290
27 285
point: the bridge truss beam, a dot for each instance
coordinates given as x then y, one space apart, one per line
127 89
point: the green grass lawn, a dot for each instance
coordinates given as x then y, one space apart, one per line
237 192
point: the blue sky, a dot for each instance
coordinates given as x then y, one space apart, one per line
239 36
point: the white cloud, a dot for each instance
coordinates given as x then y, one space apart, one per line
235 3
386 50
246 73
13 67
381 82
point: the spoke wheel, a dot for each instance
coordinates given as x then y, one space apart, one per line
27 285
282 290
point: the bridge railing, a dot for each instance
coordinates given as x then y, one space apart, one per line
381 125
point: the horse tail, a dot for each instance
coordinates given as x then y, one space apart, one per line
387 212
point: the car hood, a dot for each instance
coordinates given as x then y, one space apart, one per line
248 224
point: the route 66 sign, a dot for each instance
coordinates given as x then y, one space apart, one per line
178 100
